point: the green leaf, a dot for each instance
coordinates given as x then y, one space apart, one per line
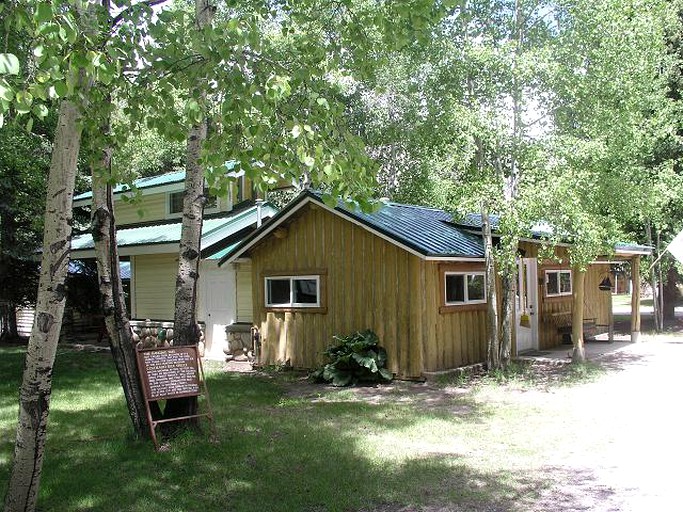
29 124
9 64
296 131
43 13
6 92
61 89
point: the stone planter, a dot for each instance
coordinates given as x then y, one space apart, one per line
239 344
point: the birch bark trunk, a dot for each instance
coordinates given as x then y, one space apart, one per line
493 338
189 256
111 292
36 386
578 290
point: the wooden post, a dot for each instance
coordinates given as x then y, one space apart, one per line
610 317
635 299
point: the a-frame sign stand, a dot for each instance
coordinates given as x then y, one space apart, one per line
172 372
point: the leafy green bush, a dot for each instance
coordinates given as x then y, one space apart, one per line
356 358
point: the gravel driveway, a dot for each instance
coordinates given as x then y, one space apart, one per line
622 448
610 445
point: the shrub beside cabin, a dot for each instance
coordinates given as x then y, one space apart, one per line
410 274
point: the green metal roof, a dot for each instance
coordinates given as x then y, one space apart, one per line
154 181
216 232
428 232
168 178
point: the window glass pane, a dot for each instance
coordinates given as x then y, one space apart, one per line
278 291
211 202
305 291
552 287
565 282
455 288
175 202
475 287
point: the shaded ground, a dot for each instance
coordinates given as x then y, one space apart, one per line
611 444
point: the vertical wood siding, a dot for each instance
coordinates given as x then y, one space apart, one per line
155 276
456 337
367 283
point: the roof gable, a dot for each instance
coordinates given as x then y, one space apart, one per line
425 232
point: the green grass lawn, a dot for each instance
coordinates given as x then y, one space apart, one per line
276 451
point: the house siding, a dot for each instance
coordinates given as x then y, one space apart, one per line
155 277
245 303
153 207
366 282
454 336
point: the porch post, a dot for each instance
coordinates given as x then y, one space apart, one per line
635 299
610 318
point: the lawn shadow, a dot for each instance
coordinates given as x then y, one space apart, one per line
273 452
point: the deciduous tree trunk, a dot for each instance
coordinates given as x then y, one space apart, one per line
493 337
578 290
186 330
36 386
111 291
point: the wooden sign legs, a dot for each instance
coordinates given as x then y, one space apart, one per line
172 372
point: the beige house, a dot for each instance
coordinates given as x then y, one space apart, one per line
148 234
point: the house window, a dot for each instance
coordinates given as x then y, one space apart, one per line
175 203
465 288
558 282
293 291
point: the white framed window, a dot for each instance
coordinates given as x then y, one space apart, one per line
558 283
465 288
292 291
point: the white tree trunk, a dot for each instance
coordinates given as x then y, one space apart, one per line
111 292
36 386
578 289
189 256
493 338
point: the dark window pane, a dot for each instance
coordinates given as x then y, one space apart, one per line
565 282
552 287
278 291
305 291
175 202
455 288
475 287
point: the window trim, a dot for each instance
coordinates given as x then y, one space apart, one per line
557 273
466 300
291 304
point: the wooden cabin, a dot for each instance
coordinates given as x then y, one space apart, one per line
408 273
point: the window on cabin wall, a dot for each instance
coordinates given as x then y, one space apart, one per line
558 283
292 291
465 288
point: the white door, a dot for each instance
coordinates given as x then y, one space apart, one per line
527 305
217 306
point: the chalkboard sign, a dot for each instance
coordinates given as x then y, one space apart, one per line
170 372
